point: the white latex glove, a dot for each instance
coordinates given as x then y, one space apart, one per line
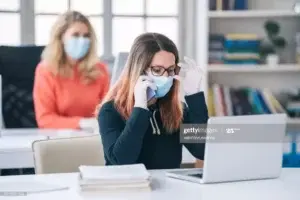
140 91
190 76
89 124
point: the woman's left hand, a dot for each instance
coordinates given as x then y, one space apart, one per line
190 76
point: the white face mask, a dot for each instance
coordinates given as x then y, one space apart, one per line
163 85
77 47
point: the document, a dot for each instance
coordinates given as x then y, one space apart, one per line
114 172
116 177
23 188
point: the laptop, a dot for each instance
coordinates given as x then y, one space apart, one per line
240 148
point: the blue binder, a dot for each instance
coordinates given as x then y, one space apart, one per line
241 5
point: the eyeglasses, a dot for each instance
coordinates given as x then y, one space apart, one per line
159 70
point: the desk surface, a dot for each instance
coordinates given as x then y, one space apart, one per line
285 187
16 144
44 132
15 140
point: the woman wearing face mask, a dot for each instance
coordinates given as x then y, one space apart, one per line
141 115
70 81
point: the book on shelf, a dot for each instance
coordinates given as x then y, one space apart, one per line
293 105
228 5
227 101
241 36
216 48
234 48
114 178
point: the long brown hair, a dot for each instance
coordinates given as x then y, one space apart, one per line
55 56
140 57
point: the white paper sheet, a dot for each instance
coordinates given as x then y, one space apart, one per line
116 172
23 188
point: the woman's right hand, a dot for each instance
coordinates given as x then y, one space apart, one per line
140 91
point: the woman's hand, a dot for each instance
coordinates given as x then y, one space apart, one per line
140 91
190 76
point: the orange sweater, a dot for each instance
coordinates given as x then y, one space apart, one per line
61 102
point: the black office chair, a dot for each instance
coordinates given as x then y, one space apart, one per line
17 68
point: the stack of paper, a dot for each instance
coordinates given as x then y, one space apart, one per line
118 177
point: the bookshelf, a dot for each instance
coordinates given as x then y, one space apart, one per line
283 76
223 21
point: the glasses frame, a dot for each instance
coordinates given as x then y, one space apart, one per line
176 70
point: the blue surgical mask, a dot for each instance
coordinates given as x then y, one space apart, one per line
77 47
163 85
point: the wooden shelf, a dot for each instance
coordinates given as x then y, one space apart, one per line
284 68
252 13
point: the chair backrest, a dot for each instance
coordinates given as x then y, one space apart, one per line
1 112
120 62
17 68
65 155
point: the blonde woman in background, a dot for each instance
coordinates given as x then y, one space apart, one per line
70 81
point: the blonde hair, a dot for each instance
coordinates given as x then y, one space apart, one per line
54 54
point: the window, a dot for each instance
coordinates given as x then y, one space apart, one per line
88 7
50 7
97 23
43 25
47 12
10 14
128 7
116 22
162 7
133 17
123 35
166 26
10 35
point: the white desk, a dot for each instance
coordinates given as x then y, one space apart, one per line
16 145
286 187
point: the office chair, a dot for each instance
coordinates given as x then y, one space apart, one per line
17 68
65 155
